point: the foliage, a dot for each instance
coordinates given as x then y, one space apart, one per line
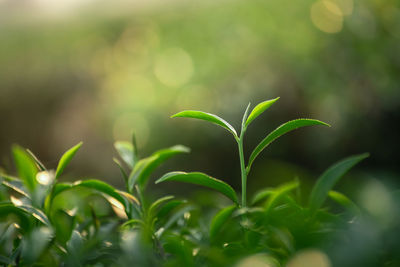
45 222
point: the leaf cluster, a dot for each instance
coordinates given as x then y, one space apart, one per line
45 222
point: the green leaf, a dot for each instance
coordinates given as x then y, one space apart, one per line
201 179
128 196
281 130
345 202
168 207
21 215
173 219
156 204
219 220
206 117
141 173
17 186
280 192
91 184
245 116
34 244
262 195
38 214
26 167
57 189
121 169
133 222
74 247
39 164
66 158
104 188
329 178
126 152
259 109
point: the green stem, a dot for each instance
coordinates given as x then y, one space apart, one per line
243 169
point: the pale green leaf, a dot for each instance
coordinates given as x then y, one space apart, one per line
66 158
259 109
206 117
245 116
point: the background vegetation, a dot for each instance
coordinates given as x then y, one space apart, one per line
94 72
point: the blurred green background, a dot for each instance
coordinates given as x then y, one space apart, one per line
94 71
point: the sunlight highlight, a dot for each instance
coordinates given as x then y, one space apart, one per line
327 16
174 67
45 177
310 258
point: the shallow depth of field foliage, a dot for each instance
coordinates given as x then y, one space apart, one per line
93 172
45 222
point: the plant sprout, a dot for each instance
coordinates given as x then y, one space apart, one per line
248 118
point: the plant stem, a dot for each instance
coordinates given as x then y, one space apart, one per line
243 169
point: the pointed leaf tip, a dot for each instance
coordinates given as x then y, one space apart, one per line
259 109
144 167
281 130
66 158
330 177
26 167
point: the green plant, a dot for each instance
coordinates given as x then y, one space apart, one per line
44 222
247 119
34 203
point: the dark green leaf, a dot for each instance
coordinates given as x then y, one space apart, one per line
74 247
63 224
259 109
22 217
66 158
26 167
219 220
284 128
168 207
201 179
173 219
34 244
17 186
206 117
329 178
121 169
141 173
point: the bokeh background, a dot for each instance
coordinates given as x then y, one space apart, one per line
94 71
